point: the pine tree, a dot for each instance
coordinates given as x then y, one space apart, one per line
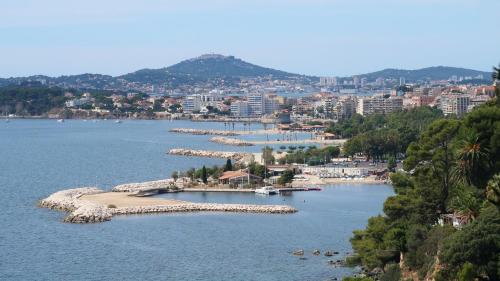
204 175
229 165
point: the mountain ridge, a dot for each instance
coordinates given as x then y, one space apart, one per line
220 69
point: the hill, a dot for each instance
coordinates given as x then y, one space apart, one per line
206 68
428 73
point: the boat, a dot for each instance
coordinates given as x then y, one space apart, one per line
60 120
267 190
118 121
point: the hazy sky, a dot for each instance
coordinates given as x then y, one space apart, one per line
319 37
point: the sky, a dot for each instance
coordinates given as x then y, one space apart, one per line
314 37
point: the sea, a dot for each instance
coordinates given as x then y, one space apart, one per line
40 157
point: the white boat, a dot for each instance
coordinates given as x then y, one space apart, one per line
118 121
60 120
267 190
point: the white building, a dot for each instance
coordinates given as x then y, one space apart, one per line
454 104
335 171
239 109
344 108
328 81
379 105
191 103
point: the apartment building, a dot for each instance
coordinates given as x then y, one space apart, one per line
379 105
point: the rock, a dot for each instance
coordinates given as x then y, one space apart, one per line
210 154
316 252
231 141
143 186
203 132
298 252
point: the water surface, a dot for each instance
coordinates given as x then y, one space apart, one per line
39 157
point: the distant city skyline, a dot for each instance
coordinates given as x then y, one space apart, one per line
316 37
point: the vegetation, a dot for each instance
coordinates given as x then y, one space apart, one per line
452 167
286 177
381 137
311 156
229 165
32 100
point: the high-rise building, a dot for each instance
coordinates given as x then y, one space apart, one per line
328 81
454 104
239 109
344 108
379 105
356 81
255 104
402 81
191 103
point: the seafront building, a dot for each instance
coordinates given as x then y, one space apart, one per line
257 105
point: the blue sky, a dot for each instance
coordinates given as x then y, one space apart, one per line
318 37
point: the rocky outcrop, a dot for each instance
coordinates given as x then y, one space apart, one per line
202 132
144 186
231 141
211 154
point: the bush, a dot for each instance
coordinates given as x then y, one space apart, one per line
112 206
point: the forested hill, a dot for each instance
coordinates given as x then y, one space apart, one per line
444 221
428 73
206 68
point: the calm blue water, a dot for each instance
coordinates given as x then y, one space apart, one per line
39 157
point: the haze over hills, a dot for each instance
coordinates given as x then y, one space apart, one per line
226 70
428 73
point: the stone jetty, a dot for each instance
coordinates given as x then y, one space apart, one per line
202 132
88 211
231 141
144 186
81 211
211 154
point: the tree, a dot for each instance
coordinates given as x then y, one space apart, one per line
175 175
493 190
470 158
286 177
477 243
204 174
267 155
433 153
391 164
229 165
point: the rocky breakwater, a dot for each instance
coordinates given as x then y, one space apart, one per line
206 207
81 211
87 211
231 141
144 186
210 154
202 132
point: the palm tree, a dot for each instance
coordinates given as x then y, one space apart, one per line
470 155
